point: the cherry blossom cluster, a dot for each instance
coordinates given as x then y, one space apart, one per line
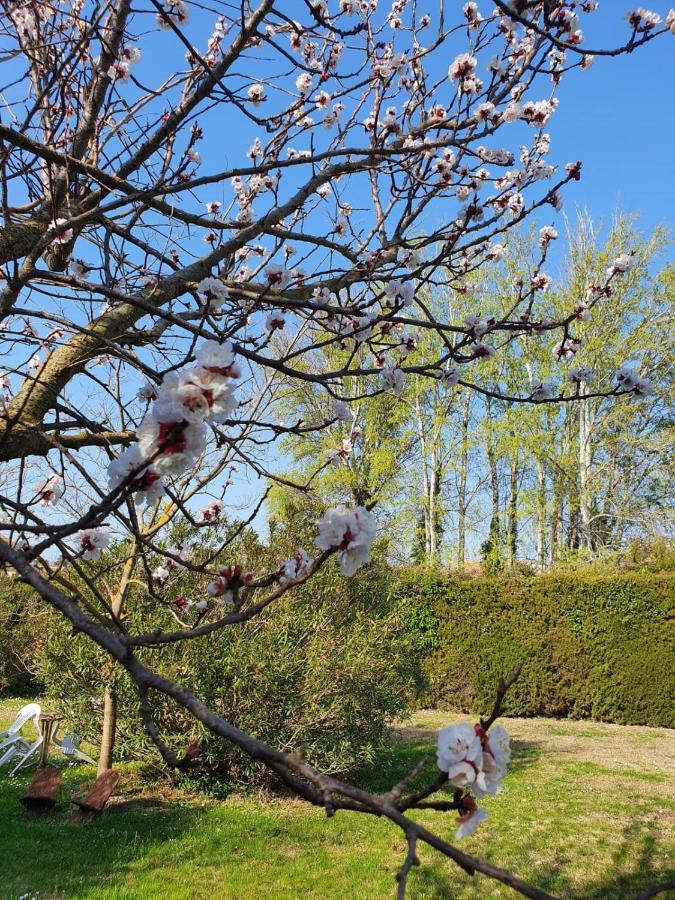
349 531
173 11
213 293
475 761
120 70
630 381
293 569
211 512
172 435
229 582
91 543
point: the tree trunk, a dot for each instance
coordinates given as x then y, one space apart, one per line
512 533
434 488
463 481
436 481
557 515
105 759
541 515
495 526
585 454
109 726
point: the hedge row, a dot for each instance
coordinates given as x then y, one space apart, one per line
591 647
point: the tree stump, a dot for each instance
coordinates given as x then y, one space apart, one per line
101 791
42 791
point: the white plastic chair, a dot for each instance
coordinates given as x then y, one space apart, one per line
70 747
13 743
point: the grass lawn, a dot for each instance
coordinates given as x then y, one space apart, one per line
587 811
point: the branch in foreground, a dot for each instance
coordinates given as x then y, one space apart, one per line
320 790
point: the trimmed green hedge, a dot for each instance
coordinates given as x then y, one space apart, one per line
591 647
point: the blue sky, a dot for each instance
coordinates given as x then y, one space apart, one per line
618 118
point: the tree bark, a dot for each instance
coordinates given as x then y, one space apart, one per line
105 759
109 726
425 479
557 515
495 526
512 526
463 481
541 514
585 458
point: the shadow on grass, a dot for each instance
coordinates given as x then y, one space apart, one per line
57 856
632 868
637 849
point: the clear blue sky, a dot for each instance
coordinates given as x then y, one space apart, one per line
618 118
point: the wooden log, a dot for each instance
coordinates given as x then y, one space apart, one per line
42 791
101 791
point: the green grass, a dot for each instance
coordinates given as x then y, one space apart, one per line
586 812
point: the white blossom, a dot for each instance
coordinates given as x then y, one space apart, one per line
91 543
79 269
147 484
160 574
474 758
119 71
277 276
294 568
543 390
211 512
256 94
478 326
50 491
175 10
64 235
547 234
147 391
629 380
620 265
450 376
463 66
459 753
171 441
213 293
351 533
566 348
582 373
399 292
469 822
394 379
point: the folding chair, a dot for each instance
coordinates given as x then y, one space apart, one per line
70 747
12 742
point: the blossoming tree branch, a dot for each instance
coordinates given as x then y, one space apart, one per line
196 202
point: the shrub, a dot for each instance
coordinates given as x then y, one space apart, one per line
22 617
324 669
598 647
